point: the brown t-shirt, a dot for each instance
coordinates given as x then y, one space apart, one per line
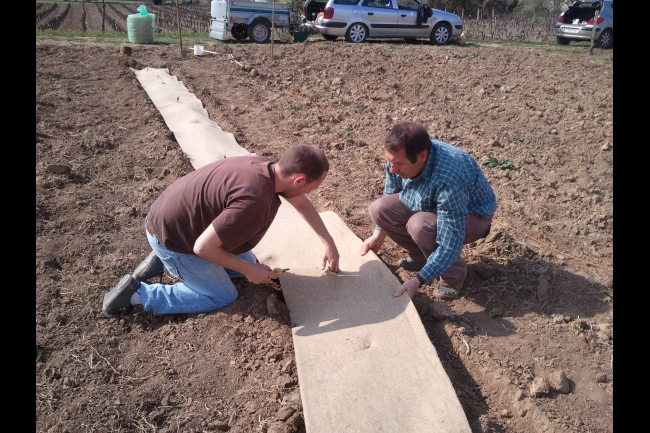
236 195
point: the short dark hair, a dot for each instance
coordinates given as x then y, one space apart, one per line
411 137
303 158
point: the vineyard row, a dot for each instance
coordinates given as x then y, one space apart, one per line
40 16
54 23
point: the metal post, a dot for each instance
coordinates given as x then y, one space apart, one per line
593 34
272 28
181 53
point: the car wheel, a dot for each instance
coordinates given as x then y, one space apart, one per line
330 37
259 32
239 31
440 34
562 41
606 39
357 33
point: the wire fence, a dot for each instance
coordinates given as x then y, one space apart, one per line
194 18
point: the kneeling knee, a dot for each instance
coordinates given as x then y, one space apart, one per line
224 300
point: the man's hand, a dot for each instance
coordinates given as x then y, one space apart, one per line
331 255
410 286
259 273
308 212
373 242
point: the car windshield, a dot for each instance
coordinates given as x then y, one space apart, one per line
590 5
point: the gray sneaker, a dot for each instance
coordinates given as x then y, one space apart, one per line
408 263
445 292
150 267
120 296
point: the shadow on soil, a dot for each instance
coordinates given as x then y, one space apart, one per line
499 292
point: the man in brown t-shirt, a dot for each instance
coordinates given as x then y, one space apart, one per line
203 226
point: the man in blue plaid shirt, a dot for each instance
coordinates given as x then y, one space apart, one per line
436 199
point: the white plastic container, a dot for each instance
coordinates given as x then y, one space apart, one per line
198 50
219 9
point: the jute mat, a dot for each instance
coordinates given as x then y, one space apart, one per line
364 360
200 138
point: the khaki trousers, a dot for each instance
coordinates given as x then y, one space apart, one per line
417 232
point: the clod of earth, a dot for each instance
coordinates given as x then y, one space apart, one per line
284 413
540 387
58 169
559 382
543 291
271 305
604 331
440 310
495 312
519 396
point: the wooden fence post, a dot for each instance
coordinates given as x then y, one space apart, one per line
593 34
272 28
181 53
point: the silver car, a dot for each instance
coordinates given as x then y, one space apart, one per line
357 20
577 23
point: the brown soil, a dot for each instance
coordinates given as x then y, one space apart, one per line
538 299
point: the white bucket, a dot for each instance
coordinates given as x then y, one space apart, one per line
198 50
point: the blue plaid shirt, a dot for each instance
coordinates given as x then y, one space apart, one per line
451 185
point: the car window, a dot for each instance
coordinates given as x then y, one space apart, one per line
590 5
345 2
385 4
409 5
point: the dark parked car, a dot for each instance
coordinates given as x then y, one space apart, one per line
577 23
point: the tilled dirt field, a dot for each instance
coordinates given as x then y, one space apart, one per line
529 346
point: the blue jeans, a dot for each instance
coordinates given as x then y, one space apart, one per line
204 286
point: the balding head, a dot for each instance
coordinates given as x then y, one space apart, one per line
303 158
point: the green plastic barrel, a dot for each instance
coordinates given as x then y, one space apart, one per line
141 27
